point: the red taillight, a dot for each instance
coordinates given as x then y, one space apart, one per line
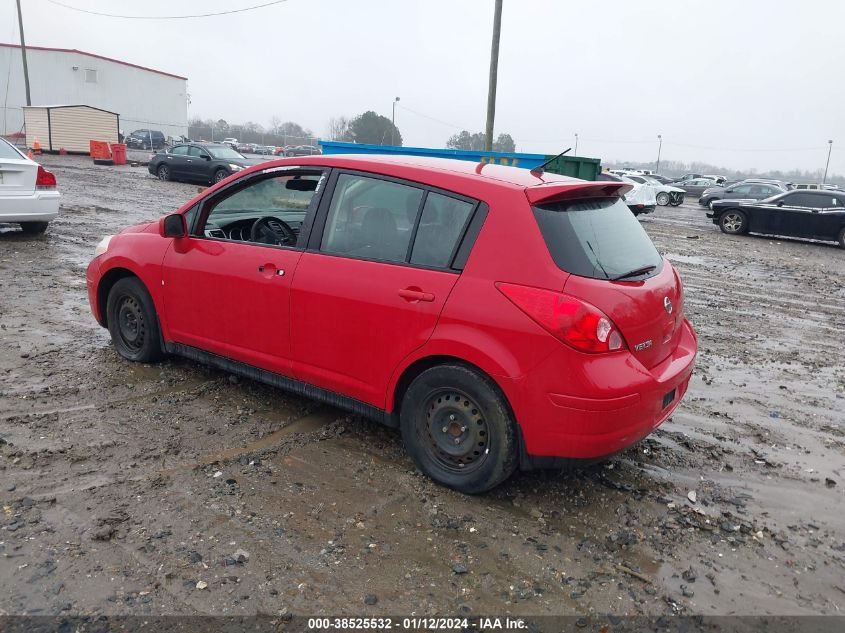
45 179
573 321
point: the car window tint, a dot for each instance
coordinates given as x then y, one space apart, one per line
280 202
180 150
371 218
807 199
193 150
743 189
441 225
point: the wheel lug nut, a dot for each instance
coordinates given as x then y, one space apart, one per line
457 440
463 429
452 417
445 428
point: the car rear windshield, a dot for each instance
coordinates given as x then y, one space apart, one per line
598 238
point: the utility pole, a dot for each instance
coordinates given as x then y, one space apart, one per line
659 147
393 122
829 149
494 70
576 144
23 55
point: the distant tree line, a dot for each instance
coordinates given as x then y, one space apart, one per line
475 142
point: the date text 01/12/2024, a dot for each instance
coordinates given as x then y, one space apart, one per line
416 623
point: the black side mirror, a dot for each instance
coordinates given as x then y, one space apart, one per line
206 157
173 225
780 203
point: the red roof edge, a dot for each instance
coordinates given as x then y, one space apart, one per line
108 59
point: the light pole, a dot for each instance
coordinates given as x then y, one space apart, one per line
393 122
659 147
494 75
829 149
576 144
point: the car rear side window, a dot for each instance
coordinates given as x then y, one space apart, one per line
181 150
7 151
441 226
371 218
597 238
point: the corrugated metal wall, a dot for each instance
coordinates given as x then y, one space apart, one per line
37 127
73 128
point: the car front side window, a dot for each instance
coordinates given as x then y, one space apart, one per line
270 210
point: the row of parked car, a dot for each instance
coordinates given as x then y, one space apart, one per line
755 205
272 150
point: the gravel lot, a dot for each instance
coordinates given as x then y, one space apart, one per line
176 489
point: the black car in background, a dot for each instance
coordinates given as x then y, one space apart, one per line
146 139
209 162
745 190
817 215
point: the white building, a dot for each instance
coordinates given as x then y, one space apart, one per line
144 98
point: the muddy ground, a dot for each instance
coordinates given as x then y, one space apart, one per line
176 489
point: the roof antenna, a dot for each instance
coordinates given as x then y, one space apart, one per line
539 169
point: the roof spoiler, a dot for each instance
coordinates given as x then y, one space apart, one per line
558 191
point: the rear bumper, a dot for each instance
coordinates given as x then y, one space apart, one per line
41 206
626 403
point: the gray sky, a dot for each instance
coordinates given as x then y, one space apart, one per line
740 84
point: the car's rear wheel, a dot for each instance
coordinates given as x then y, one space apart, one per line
132 321
458 428
33 228
841 238
733 222
662 198
220 174
163 172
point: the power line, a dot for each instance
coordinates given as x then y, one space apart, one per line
166 17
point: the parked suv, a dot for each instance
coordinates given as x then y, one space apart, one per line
499 318
146 139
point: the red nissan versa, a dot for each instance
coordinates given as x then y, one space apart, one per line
499 317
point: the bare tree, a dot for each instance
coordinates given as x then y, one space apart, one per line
338 128
275 123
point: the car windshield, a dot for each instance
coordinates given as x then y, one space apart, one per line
224 153
598 238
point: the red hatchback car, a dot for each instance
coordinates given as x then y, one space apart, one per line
499 317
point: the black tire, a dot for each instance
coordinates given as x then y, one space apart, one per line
163 172
219 175
478 448
662 198
841 238
733 222
33 228
132 321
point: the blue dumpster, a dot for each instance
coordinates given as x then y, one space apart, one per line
527 161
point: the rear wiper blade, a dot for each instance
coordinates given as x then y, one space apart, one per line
642 270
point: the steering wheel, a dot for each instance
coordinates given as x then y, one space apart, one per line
272 230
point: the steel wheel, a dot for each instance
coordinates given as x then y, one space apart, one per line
732 222
455 433
131 325
163 172
662 198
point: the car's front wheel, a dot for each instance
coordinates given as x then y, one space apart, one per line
132 321
220 174
33 228
163 172
733 222
458 428
662 198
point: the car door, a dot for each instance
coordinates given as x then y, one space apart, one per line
790 215
198 163
176 158
227 286
371 286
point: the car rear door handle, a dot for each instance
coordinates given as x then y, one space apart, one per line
415 294
270 270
